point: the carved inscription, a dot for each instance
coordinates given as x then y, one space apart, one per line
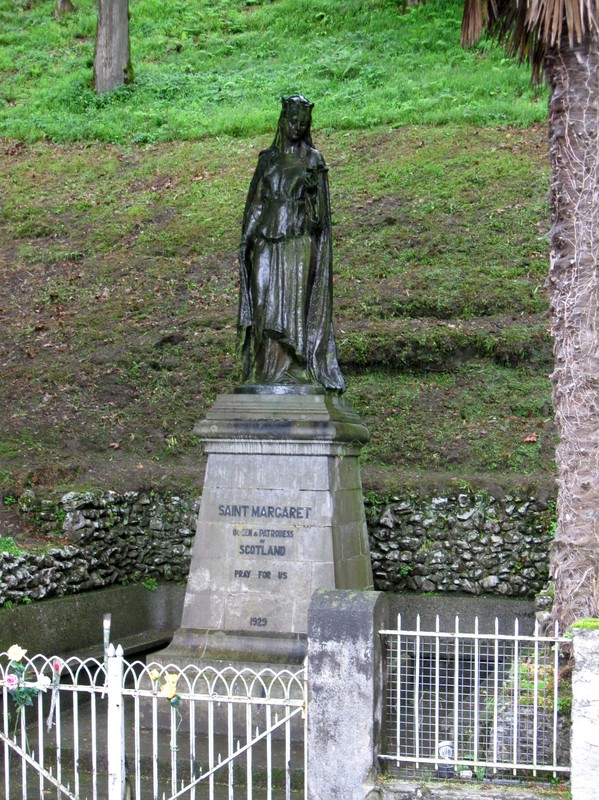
262 574
243 573
262 542
262 547
269 512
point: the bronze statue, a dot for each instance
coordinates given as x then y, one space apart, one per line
285 301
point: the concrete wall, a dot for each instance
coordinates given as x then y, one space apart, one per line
487 609
585 716
404 790
345 693
345 707
73 625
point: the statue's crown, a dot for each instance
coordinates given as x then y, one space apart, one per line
296 99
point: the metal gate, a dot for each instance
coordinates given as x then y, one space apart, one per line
87 730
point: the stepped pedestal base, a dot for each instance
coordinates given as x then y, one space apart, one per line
281 515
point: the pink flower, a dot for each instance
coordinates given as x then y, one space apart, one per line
11 682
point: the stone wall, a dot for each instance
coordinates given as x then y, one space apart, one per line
472 543
107 539
467 543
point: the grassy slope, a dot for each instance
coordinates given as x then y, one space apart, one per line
118 258
212 67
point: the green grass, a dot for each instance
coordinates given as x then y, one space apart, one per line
437 218
587 624
217 68
8 545
479 415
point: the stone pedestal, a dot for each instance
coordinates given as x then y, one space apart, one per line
281 515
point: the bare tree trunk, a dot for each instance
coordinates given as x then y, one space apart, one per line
574 294
112 59
63 7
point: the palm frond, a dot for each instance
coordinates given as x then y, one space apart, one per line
474 20
528 27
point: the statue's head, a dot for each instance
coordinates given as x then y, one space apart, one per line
296 118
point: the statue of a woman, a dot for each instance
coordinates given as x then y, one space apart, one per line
285 301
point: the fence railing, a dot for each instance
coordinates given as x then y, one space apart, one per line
86 729
476 704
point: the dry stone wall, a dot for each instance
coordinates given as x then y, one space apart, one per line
472 543
109 538
467 543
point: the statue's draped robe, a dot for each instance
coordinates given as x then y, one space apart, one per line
285 300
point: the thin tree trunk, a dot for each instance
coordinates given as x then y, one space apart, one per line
63 7
112 60
573 283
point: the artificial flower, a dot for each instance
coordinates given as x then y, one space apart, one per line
169 689
154 674
43 682
11 682
15 653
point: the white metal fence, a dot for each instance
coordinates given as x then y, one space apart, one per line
87 729
477 705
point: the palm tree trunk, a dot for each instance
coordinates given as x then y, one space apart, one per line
573 74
